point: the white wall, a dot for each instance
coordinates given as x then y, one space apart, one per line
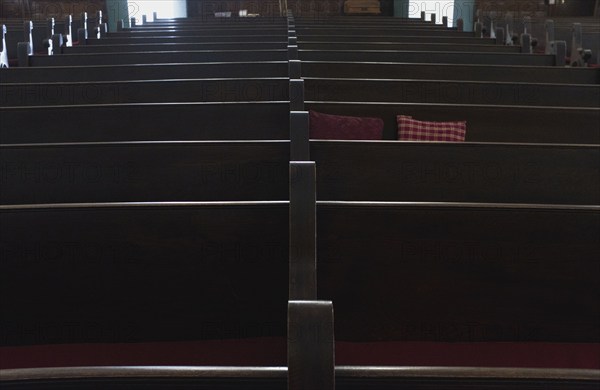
165 8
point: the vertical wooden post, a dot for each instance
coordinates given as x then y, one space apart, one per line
311 346
303 251
297 95
295 69
299 136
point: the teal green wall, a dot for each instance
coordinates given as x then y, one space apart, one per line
465 9
117 9
401 8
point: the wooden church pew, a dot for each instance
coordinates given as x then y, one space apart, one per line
159 57
269 120
144 91
135 47
399 70
447 91
408 46
480 58
146 122
144 72
485 123
460 272
424 31
185 39
450 172
144 272
274 378
145 171
257 170
335 37
316 89
280 32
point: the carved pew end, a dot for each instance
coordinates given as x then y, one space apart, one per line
4 53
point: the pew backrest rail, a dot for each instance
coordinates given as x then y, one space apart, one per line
146 122
257 170
179 39
448 91
158 57
145 91
515 73
485 123
409 46
441 58
547 255
221 248
145 72
144 47
429 378
463 172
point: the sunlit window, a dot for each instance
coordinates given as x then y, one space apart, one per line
438 7
165 9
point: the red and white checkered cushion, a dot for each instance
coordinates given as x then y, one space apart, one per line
410 129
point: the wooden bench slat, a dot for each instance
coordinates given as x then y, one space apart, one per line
145 72
146 122
152 171
429 57
254 170
458 92
460 272
146 272
347 377
147 91
396 70
159 57
514 124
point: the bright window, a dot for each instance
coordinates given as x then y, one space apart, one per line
438 7
165 9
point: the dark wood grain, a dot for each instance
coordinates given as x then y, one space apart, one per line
460 272
146 171
456 92
347 378
469 72
443 172
145 72
143 272
158 57
485 123
303 248
146 91
480 58
146 122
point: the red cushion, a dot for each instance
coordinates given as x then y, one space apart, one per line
326 126
410 129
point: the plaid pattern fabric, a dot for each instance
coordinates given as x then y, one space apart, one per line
410 129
